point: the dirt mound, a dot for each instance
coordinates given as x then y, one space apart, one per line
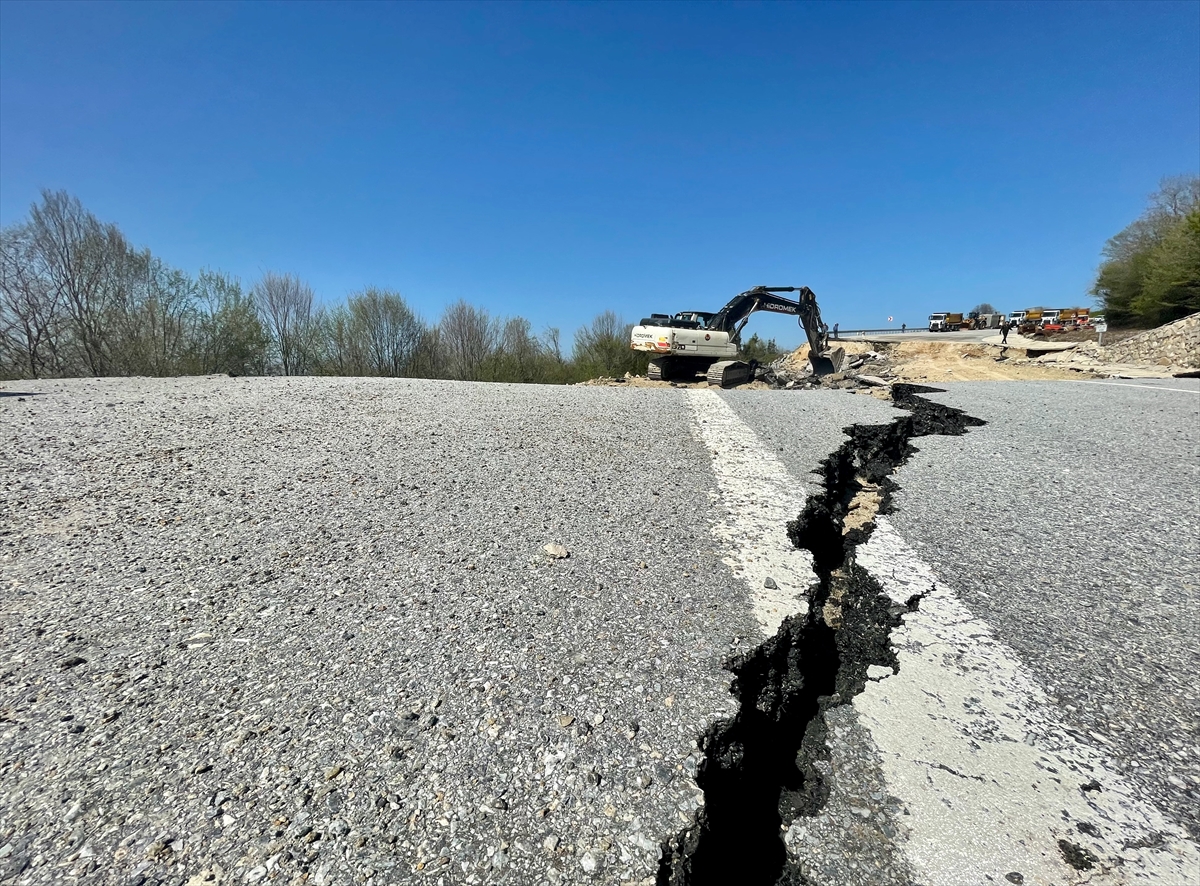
927 361
936 361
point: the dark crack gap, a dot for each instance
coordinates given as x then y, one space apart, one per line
767 765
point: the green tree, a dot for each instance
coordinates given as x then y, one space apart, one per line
756 349
1149 273
1171 287
602 349
230 335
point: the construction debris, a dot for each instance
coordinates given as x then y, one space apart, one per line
1171 350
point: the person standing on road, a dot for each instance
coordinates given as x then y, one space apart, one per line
903 328
1004 327
835 330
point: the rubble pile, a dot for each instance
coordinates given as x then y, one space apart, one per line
864 367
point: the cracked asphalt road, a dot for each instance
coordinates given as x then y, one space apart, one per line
281 629
1071 524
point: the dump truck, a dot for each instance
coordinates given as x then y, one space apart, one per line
1031 322
1073 318
945 321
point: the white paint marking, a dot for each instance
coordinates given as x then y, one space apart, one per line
759 497
1117 384
964 701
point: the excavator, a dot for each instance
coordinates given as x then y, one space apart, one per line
695 341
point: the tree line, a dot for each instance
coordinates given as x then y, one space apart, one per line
1151 270
77 299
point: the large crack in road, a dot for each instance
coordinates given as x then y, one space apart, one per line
761 767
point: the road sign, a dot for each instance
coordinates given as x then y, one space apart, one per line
1101 328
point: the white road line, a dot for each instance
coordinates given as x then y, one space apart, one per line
758 496
990 776
1147 387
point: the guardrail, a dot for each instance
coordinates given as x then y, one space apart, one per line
889 331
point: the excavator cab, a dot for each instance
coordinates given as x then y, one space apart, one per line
693 319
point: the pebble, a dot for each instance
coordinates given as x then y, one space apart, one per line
590 862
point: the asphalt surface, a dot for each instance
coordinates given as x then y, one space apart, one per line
306 630
1070 524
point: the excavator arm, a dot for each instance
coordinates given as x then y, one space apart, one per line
732 318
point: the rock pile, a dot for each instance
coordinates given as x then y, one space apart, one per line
794 371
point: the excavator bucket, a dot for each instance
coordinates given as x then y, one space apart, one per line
827 363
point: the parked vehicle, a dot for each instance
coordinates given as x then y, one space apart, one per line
692 342
1031 322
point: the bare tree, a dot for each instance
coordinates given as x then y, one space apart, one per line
427 361
388 330
1177 195
468 339
286 305
29 308
154 330
88 266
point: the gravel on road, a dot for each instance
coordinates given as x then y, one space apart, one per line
263 628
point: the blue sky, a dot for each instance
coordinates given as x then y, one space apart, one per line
554 160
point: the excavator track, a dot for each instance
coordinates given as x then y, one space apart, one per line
730 373
676 368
